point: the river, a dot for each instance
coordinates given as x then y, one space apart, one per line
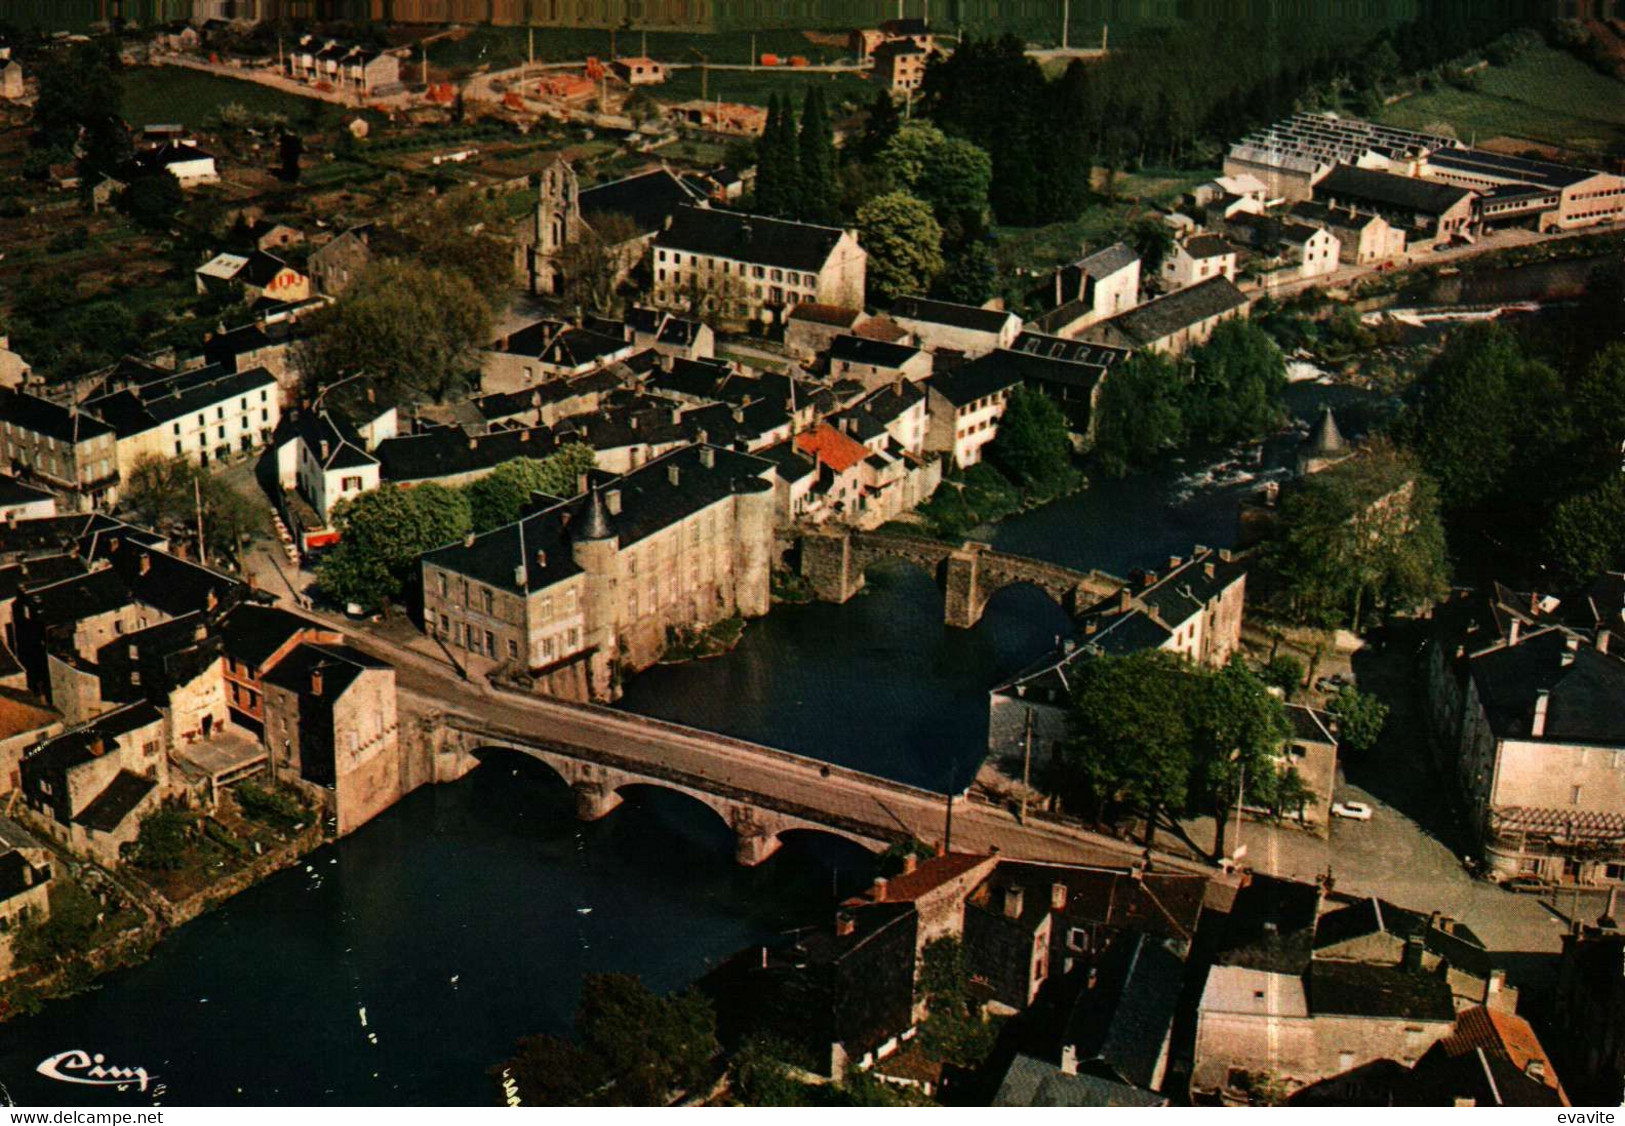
459 919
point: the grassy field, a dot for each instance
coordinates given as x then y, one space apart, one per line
173 94
1547 96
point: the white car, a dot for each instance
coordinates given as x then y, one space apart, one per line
1353 810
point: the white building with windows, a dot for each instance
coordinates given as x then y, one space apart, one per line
748 267
207 415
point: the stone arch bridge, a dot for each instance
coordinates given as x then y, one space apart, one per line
760 792
833 562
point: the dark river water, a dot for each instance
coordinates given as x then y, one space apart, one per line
458 919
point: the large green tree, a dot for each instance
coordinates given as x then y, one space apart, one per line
1237 728
1141 412
904 242
1032 445
632 1047
1362 537
1586 533
1237 378
173 494
820 189
415 328
80 105
499 497
381 535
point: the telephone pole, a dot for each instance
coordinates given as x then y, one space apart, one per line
1066 18
1026 768
197 499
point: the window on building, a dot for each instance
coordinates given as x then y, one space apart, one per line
1574 795
490 644
513 650
488 599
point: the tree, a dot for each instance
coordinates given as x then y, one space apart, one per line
1488 410
64 935
904 242
820 191
290 148
1140 414
778 162
1586 534
632 1048
1237 380
1599 403
382 533
1284 671
1360 719
1238 727
415 328
878 128
498 497
592 266
455 236
967 274
163 840
152 199
170 493
1128 740
80 104
1151 239
1364 535
1033 444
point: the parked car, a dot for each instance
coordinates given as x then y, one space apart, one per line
1529 885
1353 810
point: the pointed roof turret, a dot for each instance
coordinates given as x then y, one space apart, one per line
1327 439
595 521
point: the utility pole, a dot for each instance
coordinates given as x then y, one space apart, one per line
948 826
197 499
752 59
1026 768
1066 18
532 65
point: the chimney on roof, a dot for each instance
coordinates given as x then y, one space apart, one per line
1543 699
708 457
1057 896
845 924
1515 632
1015 900
612 501
1571 646
739 414
1209 570
473 442
1069 1059
1148 579
468 540
146 562
1125 600
1411 959
324 449
910 862
878 892
674 475
96 747
541 558
372 393
1536 1070
1602 641
316 682
1174 563
211 600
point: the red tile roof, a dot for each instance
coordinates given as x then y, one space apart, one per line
832 447
1505 1035
929 875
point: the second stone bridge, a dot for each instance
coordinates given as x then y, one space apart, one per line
833 562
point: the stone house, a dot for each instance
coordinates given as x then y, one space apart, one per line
67 449
335 265
810 328
14 370
548 350
668 335
207 414
580 590
899 65
1363 237
964 406
23 502
254 639
639 71
1428 212
182 159
1314 249
252 276
874 363
741 268
11 81
1174 322
1095 287
331 723
1196 259
25 893
945 326
90 786
1071 373
331 463
1312 752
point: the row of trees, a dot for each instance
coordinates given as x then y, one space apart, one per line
1226 390
384 531
795 167
1155 735
181 498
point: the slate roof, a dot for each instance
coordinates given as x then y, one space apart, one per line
1540 173
73 746
1108 260
174 585
875 353
1207 246
130 412
52 420
1124 1019
17 874
1357 989
1166 905
339 665
109 808
252 632
1310 725
21 713
1583 705
1268 926
948 313
14 492
1484 1078
1326 440
749 238
1426 197
345 449
448 450
968 382
646 198
1047 347
650 502
1034 1082
74 599
1163 316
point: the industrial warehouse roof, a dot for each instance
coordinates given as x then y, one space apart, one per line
971 317
1426 197
749 238
1161 318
